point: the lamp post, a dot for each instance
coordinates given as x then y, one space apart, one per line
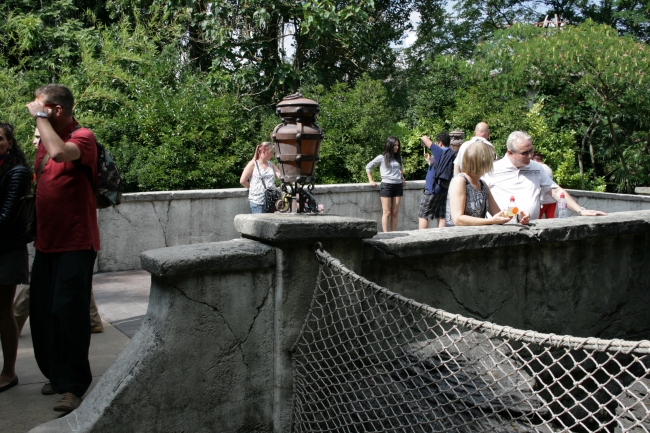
297 142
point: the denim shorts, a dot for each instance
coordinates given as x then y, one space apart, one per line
391 190
256 208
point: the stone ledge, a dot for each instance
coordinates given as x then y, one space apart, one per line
335 189
185 195
434 241
609 195
297 227
235 255
243 192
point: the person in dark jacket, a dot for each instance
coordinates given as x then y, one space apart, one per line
15 181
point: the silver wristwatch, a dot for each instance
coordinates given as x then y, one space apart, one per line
40 114
581 209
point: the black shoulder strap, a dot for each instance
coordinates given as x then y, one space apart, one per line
86 170
260 173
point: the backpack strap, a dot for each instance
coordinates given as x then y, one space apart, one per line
87 171
40 170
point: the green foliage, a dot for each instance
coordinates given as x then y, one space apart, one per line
559 154
12 106
582 72
165 126
356 120
457 27
182 91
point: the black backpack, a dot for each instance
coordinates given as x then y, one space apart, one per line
444 168
109 182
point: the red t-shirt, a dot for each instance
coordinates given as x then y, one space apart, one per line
66 215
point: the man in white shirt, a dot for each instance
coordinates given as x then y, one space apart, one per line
481 133
517 175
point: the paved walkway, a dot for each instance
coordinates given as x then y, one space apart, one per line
122 298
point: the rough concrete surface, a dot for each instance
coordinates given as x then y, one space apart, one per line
298 227
421 242
201 362
213 352
151 220
240 254
137 226
24 407
296 273
643 190
584 277
122 298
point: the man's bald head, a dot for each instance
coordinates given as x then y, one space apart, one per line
482 130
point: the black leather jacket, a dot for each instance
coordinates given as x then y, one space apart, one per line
13 223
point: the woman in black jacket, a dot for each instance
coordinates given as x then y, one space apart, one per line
15 181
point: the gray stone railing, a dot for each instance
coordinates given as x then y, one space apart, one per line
585 276
162 219
213 351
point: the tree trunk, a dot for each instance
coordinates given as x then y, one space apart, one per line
593 157
582 150
588 134
298 56
628 185
591 151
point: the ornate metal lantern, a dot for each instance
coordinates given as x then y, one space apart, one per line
457 137
297 142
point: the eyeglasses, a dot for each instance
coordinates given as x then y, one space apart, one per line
528 152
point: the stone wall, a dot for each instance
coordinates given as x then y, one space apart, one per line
162 219
585 276
213 353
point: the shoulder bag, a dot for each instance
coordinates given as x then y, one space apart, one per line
271 195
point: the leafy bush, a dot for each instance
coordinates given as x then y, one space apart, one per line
356 120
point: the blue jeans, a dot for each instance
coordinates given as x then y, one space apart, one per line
256 208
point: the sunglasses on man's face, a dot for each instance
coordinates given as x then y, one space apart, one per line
526 153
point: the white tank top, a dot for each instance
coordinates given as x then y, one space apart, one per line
256 191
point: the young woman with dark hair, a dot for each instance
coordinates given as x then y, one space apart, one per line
15 181
392 182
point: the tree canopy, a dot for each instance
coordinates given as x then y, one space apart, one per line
182 91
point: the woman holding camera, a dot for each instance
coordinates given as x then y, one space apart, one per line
391 189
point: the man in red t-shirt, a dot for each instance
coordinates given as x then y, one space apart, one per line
67 241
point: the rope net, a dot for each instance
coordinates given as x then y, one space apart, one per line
369 360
